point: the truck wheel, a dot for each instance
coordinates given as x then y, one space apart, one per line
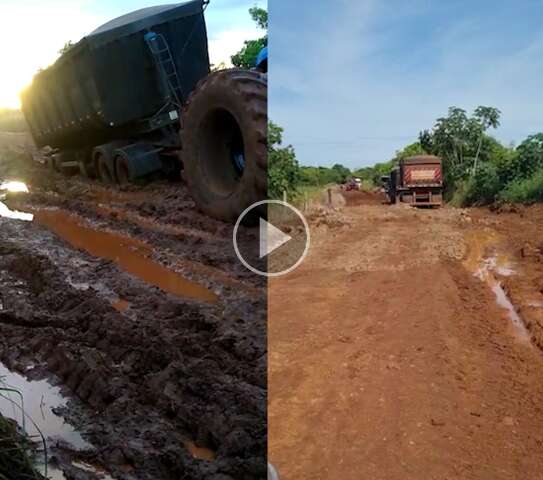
122 168
86 170
104 172
103 160
224 142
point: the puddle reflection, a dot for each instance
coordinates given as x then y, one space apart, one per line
40 397
130 254
14 215
485 266
14 187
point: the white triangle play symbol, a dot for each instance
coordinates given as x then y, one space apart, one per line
271 238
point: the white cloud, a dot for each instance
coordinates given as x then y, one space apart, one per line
225 43
342 96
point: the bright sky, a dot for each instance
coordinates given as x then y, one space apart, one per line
354 81
32 32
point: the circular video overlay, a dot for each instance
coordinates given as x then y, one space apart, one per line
283 239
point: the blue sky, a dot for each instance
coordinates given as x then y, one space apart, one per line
354 81
34 30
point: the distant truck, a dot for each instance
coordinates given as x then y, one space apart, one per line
417 181
136 97
352 184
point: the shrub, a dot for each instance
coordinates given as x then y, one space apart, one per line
484 186
528 190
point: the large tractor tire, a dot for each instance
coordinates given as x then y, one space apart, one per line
103 159
224 142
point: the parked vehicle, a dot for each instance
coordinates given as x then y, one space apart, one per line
352 184
136 98
416 180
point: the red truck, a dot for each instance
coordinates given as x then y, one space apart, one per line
417 181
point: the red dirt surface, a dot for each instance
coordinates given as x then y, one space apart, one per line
390 359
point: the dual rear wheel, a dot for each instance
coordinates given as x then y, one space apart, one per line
223 137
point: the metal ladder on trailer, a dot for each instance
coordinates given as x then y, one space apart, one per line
165 65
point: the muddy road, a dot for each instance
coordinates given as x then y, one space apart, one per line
128 314
409 346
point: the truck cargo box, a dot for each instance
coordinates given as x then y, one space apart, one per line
420 171
108 85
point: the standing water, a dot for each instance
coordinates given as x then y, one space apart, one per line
5 212
486 268
34 405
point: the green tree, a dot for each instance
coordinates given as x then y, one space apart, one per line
530 153
260 16
461 141
484 118
410 150
283 168
310 176
246 57
67 46
341 172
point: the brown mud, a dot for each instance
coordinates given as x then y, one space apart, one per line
408 346
134 305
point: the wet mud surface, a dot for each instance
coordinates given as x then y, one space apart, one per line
135 307
408 346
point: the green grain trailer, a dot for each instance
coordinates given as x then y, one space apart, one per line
136 97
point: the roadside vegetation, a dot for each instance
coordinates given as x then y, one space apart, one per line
287 176
478 169
15 461
246 57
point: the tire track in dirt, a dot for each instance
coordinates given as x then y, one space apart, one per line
168 387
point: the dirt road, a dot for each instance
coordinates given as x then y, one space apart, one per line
134 305
396 353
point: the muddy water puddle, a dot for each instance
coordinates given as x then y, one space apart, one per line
5 211
487 262
121 305
200 453
39 398
31 406
130 254
14 214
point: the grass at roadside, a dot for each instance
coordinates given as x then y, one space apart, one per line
309 194
528 190
15 460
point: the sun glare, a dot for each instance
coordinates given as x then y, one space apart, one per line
28 43
14 187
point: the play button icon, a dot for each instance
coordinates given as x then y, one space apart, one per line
271 238
283 239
